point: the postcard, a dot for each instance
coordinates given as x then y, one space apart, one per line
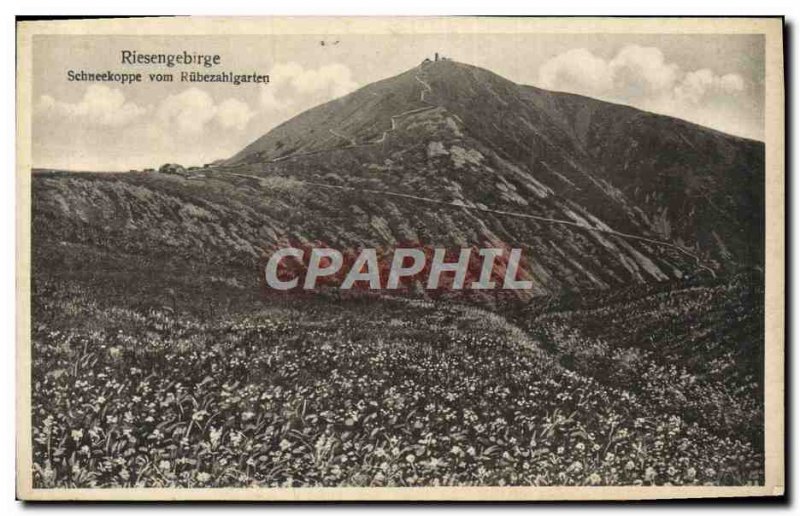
446 258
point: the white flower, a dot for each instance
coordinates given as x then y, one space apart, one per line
214 436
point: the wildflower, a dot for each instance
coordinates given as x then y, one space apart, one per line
594 479
214 436
49 474
649 474
580 447
691 473
164 465
285 445
247 416
203 477
410 458
77 435
629 465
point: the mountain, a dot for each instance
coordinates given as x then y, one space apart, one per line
639 361
598 195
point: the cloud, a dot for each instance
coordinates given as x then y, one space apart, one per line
100 106
642 77
333 79
699 84
576 70
106 131
293 88
234 114
189 111
642 71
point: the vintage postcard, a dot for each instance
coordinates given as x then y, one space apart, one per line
400 258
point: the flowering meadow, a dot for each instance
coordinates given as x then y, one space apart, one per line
378 392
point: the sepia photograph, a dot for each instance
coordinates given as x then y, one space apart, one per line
400 258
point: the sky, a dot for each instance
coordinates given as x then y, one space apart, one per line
713 80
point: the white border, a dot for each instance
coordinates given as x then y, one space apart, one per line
239 7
